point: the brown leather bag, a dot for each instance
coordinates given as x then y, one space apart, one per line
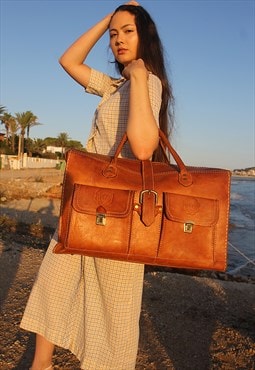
143 211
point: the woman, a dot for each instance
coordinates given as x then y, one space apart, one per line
92 306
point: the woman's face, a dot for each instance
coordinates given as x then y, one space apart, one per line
124 37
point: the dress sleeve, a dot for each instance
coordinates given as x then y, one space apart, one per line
99 83
155 93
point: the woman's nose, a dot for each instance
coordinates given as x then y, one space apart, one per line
119 40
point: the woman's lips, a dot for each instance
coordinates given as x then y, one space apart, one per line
121 51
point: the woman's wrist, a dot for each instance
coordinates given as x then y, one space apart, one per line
107 19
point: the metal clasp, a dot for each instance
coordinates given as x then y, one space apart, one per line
148 191
188 227
101 219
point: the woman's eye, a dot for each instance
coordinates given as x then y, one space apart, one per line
112 35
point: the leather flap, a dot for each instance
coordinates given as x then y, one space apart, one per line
186 208
92 199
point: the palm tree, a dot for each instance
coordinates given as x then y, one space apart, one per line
25 120
2 110
36 146
22 121
5 120
62 140
32 122
13 126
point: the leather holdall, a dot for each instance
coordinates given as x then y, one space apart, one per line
148 212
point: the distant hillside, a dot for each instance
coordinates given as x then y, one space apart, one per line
250 171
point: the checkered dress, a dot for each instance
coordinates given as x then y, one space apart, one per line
88 305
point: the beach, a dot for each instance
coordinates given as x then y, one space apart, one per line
188 321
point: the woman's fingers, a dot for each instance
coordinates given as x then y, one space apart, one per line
132 2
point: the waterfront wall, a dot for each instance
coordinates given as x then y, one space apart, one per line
15 163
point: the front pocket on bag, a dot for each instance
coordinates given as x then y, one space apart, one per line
188 230
101 217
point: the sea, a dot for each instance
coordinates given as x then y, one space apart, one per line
241 243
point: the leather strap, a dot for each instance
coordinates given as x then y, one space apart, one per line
148 197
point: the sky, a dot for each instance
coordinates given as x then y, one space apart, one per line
209 49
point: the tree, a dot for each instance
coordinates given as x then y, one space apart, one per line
13 127
2 111
51 141
74 144
5 119
35 146
32 122
62 140
25 121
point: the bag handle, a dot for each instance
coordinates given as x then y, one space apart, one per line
185 177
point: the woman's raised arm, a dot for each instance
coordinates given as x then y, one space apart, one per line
73 58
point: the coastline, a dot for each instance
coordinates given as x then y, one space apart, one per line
242 177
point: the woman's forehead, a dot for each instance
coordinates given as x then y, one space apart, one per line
120 19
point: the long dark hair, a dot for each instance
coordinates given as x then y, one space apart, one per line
150 49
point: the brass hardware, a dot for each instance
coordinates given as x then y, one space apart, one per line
136 206
188 227
100 219
148 191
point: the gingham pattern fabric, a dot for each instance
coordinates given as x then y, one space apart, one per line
88 305
109 125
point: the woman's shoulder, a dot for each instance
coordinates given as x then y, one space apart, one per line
154 78
100 82
99 75
154 82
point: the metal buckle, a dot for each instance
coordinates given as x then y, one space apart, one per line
148 191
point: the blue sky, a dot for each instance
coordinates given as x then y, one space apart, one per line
210 52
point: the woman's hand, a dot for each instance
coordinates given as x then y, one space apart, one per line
132 2
135 68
